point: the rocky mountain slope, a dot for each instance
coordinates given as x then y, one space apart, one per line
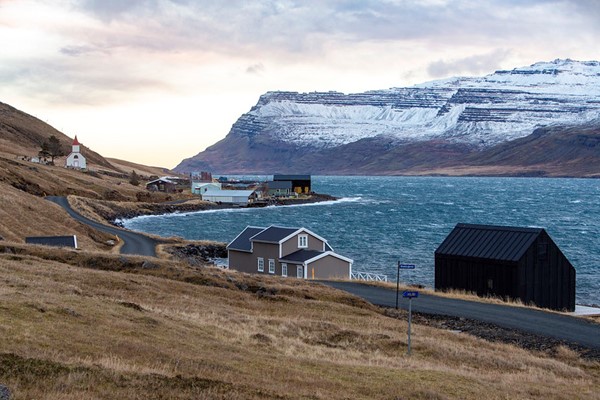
443 124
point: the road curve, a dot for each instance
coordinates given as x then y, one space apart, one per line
134 243
551 325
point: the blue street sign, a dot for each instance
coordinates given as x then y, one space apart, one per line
407 266
409 294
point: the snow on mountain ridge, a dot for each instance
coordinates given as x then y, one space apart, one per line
479 111
558 76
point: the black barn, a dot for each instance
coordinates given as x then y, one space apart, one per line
300 183
510 262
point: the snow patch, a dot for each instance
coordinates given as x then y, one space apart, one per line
481 111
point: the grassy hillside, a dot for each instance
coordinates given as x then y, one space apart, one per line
22 134
83 325
24 211
24 184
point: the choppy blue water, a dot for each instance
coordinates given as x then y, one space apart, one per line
381 220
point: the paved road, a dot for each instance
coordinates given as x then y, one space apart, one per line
562 327
135 243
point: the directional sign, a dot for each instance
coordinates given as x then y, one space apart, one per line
409 294
406 266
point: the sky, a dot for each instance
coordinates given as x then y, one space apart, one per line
157 81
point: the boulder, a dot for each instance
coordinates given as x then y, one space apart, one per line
4 392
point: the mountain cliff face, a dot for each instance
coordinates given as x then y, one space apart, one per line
436 125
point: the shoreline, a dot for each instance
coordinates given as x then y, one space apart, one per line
117 216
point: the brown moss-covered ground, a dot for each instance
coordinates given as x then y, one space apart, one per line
89 325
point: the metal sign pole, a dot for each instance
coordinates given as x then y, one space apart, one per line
410 294
409 321
397 284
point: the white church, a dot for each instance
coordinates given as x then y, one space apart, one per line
75 159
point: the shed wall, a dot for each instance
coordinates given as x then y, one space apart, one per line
484 277
329 267
542 276
242 261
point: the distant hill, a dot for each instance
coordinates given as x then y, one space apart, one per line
23 134
484 125
23 184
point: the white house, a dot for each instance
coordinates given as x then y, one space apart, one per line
75 159
239 197
203 187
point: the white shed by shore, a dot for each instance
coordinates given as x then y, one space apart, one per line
239 197
203 187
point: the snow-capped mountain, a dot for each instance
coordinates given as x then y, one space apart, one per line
474 113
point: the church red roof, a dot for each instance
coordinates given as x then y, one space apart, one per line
75 141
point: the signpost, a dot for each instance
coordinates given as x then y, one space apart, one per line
401 266
409 294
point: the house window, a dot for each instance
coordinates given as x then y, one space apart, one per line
283 269
302 241
261 264
299 272
271 266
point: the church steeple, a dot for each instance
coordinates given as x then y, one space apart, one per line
76 145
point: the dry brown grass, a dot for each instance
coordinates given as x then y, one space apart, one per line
24 212
172 332
140 169
25 215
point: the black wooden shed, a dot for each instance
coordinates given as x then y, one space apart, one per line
510 262
300 183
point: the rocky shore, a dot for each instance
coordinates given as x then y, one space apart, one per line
115 213
198 254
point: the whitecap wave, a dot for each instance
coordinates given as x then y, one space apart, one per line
126 221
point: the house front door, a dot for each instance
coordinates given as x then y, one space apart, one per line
300 272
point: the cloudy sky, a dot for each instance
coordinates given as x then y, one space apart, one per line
156 81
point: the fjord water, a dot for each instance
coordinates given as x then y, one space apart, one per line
380 220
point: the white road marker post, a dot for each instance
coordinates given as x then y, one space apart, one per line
409 294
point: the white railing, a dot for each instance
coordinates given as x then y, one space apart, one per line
368 276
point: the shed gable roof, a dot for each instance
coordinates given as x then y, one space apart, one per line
281 177
159 180
504 243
